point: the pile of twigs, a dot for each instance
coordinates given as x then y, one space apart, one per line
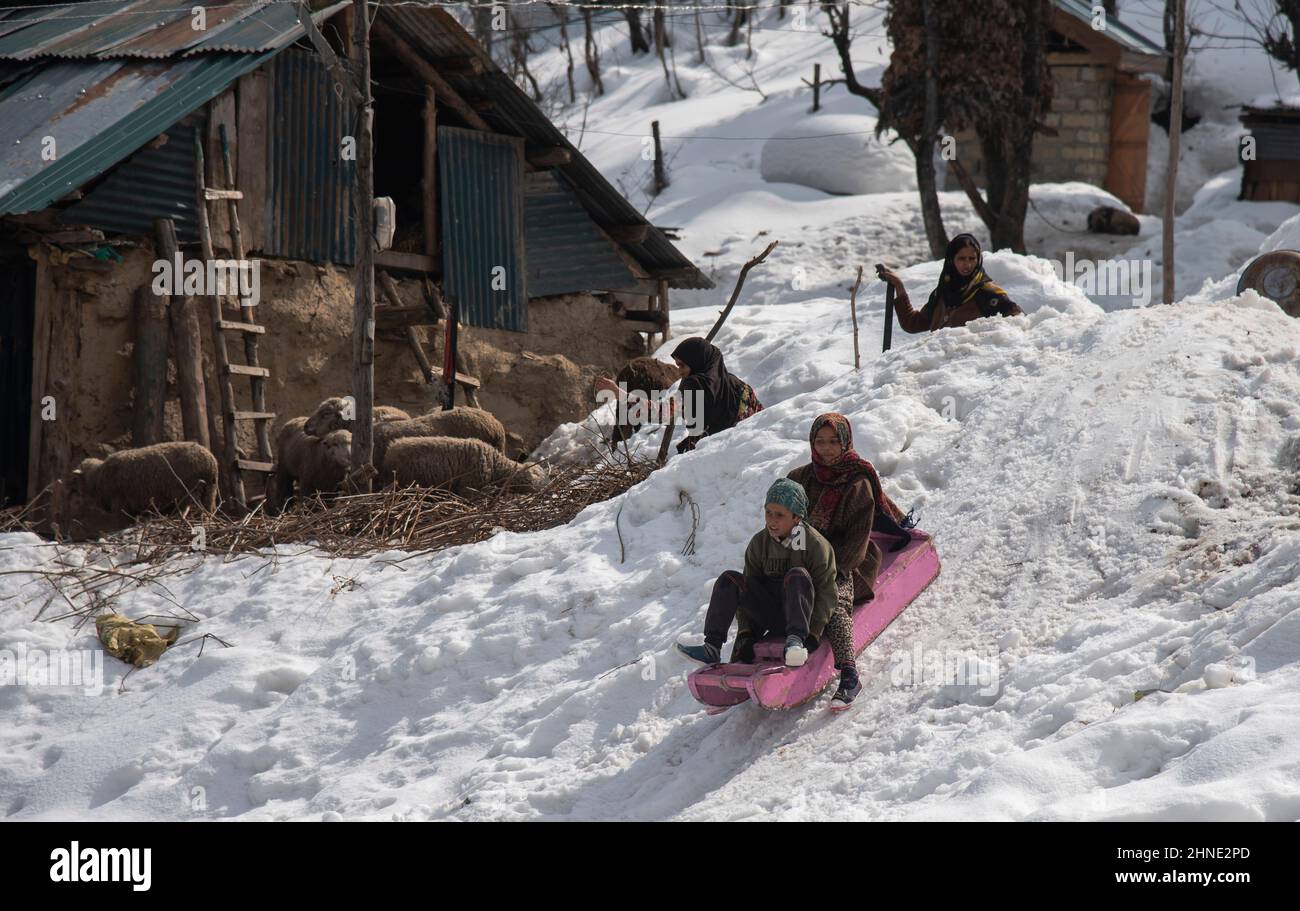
413 519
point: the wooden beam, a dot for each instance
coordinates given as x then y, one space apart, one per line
45 295
432 241
363 303
149 368
403 317
548 156
459 66
187 346
628 234
446 94
405 262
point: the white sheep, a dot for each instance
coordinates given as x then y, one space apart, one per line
160 476
318 465
462 423
328 416
457 465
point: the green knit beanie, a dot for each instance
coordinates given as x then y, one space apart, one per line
789 494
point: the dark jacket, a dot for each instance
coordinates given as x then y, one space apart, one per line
768 560
936 314
849 533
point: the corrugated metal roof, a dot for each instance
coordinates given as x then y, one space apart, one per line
480 176
1135 41
117 205
309 187
96 115
436 34
99 111
567 253
152 29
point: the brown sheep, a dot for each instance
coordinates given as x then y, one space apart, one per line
458 465
317 465
643 375
328 416
160 476
462 423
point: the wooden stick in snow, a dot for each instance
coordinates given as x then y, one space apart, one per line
735 294
853 308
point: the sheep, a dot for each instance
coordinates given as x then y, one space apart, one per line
328 416
462 423
160 476
458 465
643 375
319 465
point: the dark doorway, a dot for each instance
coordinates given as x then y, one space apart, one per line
17 317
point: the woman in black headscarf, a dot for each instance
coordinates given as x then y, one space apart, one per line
725 399
964 292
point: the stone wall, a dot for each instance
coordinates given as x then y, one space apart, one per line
1080 114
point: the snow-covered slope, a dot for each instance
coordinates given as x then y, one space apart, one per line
1114 498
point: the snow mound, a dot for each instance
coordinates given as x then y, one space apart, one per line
838 153
1286 237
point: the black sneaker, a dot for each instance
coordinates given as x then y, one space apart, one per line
704 654
848 690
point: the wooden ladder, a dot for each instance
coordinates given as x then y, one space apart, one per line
232 462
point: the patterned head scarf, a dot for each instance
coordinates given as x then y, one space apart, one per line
789 494
837 477
956 289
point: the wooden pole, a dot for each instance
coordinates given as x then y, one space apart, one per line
664 308
1175 133
889 317
149 368
363 309
449 357
660 181
187 343
853 309
432 242
817 87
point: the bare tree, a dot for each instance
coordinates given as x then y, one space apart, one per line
591 53
561 11
636 33
999 86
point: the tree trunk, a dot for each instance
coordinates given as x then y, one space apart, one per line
591 53
635 32
923 149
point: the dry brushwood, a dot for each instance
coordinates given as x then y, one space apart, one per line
410 519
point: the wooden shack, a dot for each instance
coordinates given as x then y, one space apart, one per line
1272 173
130 119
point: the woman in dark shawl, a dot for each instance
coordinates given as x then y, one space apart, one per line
725 399
964 292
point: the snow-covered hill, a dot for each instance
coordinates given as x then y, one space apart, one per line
1115 501
1114 493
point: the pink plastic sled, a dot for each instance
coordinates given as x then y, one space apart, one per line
904 574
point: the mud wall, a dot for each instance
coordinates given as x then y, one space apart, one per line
532 381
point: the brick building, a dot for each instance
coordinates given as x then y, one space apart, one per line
1101 107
